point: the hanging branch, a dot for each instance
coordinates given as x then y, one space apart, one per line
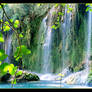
11 26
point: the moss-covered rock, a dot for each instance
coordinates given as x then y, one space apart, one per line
24 77
27 77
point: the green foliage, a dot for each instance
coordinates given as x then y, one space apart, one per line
89 7
20 35
38 4
5 67
13 81
53 26
19 73
69 9
6 28
3 56
1 37
16 23
23 51
56 5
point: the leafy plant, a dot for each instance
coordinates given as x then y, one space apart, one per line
20 51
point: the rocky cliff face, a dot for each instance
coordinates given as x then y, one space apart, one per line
67 48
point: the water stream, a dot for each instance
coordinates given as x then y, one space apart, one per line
66 27
8 45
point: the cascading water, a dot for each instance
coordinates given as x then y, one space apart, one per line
45 42
81 76
45 48
8 41
89 40
66 26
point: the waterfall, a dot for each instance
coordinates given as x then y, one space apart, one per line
47 44
8 41
81 76
88 40
66 26
45 62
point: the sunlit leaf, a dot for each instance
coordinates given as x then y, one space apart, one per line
0 62
60 13
4 4
68 11
6 28
19 73
11 20
53 26
13 81
1 39
63 4
24 51
87 9
56 5
20 35
2 66
38 4
16 23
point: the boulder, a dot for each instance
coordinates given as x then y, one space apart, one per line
24 77
27 77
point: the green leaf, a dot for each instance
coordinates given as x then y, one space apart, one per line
11 20
90 10
87 9
87 4
20 35
68 11
14 70
1 37
9 68
38 4
60 13
16 23
53 26
2 55
1 20
0 62
19 73
24 51
63 5
6 28
4 4
56 5
13 81
2 66
6 22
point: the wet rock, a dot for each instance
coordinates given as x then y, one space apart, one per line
76 78
5 77
20 78
27 77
